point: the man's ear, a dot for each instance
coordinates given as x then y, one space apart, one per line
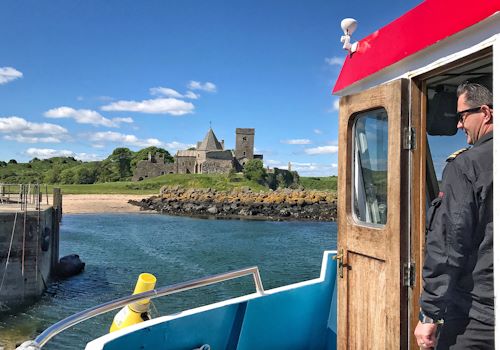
488 114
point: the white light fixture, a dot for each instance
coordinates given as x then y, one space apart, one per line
348 26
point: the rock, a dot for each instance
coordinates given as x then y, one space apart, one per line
69 265
213 210
244 212
275 205
285 212
234 206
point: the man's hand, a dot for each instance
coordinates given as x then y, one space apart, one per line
425 334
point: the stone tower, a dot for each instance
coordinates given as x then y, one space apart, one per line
244 143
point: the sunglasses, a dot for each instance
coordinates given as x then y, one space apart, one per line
461 116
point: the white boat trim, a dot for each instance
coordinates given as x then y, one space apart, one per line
98 344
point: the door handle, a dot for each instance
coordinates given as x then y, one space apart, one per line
340 263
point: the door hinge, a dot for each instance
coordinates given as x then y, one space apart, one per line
409 275
409 141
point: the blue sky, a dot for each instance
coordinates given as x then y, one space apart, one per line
80 78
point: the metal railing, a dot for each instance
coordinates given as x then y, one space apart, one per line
70 321
23 194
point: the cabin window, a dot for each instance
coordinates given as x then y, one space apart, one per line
443 138
370 136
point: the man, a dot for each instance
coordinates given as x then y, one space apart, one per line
457 296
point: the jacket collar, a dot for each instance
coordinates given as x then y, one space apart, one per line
484 138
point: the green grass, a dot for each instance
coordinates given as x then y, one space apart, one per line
218 182
328 183
152 186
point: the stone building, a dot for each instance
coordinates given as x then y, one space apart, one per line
209 157
152 167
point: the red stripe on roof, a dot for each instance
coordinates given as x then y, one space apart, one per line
421 27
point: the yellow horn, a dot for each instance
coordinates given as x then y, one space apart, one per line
138 311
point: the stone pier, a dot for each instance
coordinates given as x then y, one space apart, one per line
29 251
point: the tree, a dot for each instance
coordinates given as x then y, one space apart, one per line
85 174
52 175
122 157
254 170
105 172
144 153
67 176
12 161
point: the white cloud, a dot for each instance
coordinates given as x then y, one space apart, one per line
170 106
88 157
270 162
85 116
168 92
174 145
165 92
208 86
8 74
132 140
21 130
322 150
335 106
44 153
318 131
304 169
191 95
123 120
48 153
314 169
335 61
296 142
32 139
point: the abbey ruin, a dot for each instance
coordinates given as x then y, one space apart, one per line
209 157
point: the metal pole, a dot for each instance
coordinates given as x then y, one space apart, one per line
70 321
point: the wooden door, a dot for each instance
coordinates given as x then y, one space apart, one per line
372 218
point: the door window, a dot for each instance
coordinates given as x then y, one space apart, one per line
370 167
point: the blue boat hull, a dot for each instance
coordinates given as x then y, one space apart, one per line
298 316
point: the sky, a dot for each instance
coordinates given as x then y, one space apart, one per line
81 78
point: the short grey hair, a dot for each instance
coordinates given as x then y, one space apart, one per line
475 94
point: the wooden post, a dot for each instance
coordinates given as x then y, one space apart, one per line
57 202
56 219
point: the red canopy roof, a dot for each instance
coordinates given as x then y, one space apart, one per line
423 26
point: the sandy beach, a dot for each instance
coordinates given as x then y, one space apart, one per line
100 203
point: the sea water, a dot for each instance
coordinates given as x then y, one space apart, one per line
118 247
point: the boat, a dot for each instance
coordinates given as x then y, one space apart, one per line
397 104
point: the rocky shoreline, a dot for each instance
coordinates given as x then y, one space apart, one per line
281 204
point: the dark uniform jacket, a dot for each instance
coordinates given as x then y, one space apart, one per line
458 266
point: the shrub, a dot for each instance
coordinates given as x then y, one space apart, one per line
254 170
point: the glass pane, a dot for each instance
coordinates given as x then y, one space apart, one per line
370 167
